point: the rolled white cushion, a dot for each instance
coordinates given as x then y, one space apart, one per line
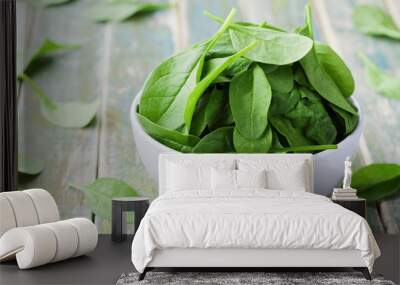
87 235
23 208
33 246
46 207
7 218
67 239
37 245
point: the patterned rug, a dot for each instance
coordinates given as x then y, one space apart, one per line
243 278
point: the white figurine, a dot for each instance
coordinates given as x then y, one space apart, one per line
347 174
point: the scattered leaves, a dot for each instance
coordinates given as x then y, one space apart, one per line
373 20
384 84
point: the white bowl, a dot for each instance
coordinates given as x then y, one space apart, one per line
328 164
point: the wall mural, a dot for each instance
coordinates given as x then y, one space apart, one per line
91 127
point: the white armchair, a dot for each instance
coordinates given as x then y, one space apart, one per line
31 232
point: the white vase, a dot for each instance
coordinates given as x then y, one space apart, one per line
328 164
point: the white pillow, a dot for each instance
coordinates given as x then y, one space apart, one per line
181 177
251 178
228 179
223 179
288 174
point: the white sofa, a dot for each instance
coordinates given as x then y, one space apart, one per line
31 233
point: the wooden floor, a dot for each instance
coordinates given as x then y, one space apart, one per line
111 259
115 59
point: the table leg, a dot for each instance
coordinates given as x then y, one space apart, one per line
116 226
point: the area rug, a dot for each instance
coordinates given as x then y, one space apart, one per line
243 278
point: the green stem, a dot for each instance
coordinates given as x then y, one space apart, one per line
305 148
206 81
213 41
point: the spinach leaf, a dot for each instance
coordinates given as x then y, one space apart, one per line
223 47
274 47
99 194
66 115
323 83
281 79
29 166
268 68
239 66
300 77
118 11
217 141
310 116
180 73
216 102
377 181
381 190
260 145
283 103
379 81
294 136
336 68
318 77
249 99
374 174
206 81
372 20
199 122
169 137
42 56
350 121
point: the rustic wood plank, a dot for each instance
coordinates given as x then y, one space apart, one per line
132 50
382 117
70 155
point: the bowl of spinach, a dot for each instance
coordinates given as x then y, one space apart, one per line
251 88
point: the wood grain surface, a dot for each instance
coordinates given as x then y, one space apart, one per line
115 59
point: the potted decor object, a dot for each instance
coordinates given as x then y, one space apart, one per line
251 88
328 164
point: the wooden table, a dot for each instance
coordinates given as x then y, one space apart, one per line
115 59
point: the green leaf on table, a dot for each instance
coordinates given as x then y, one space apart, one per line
171 138
249 99
29 166
373 174
169 88
239 66
50 3
43 55
218 141
245 145
377 181
336 68
373 20
66 115
381 82
121 10
99 194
